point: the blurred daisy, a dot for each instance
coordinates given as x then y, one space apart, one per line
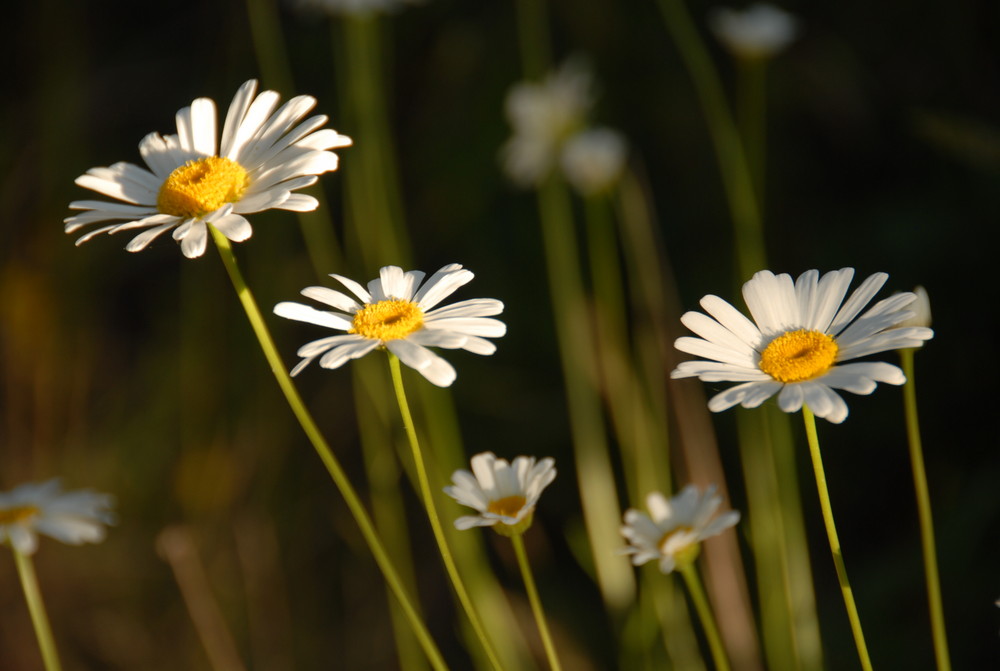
921 309
802 334
543 116
71 517
193 181
674 529
395 313
504 493
593 160
354 7
760 31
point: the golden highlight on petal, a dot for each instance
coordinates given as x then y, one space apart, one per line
202 186
509 506
799 355
17 514
666 546
391 319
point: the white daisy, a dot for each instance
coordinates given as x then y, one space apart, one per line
193 181
543 116
759 31
593 160
504 493
673 531
921 309
71 517
395 313
803 335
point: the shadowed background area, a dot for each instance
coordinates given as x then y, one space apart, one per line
137 374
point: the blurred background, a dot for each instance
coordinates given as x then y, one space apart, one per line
137 374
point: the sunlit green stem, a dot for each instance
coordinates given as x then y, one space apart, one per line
752 118
697 592
323 449
536 602
931 576
33 595
435 519
831 532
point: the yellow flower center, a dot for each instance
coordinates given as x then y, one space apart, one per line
202 186
508 506
665 541
17 514
388 320
799 355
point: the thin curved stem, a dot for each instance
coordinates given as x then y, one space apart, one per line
536 602
831 532
435 519
931 576
33 595
697 592
323 450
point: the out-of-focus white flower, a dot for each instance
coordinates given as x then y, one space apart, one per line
504 493
355 7
593 160
802 335
543 116
396 313
921 309
193 181
674 529
71 517
760 31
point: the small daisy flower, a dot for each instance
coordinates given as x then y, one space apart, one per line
593 160
760 31
674 529
193 181
797 347
921 309
504 493
543 116
71 517
395 313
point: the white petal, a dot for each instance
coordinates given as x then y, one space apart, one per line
441 284
141 241
310 315
234 227
237 110
353 287
341 354
744 356
858 300
737 394
473 307
485 327
332 298
732 319
430 365
193 244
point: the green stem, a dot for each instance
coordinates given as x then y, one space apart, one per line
33 595
697 592
435 519
323 449
533 38
932 578
753 119
831 532
536 602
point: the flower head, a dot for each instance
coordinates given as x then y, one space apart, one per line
593 160
71 517
504 493
396 313
674 529
543 116
921 309
192 180
760 31
802 334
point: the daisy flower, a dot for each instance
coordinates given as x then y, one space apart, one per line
759 31
797 347
674 529
504 493
395 313
71 517
192 180
594 160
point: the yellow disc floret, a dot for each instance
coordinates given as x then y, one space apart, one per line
200 187
508 506
390 319
799 355
17 514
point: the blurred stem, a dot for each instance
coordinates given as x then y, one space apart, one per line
697 592
536 602
931 576
322 448
752 106
595 474
36 607
425 491
831 533
533 38
729 151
